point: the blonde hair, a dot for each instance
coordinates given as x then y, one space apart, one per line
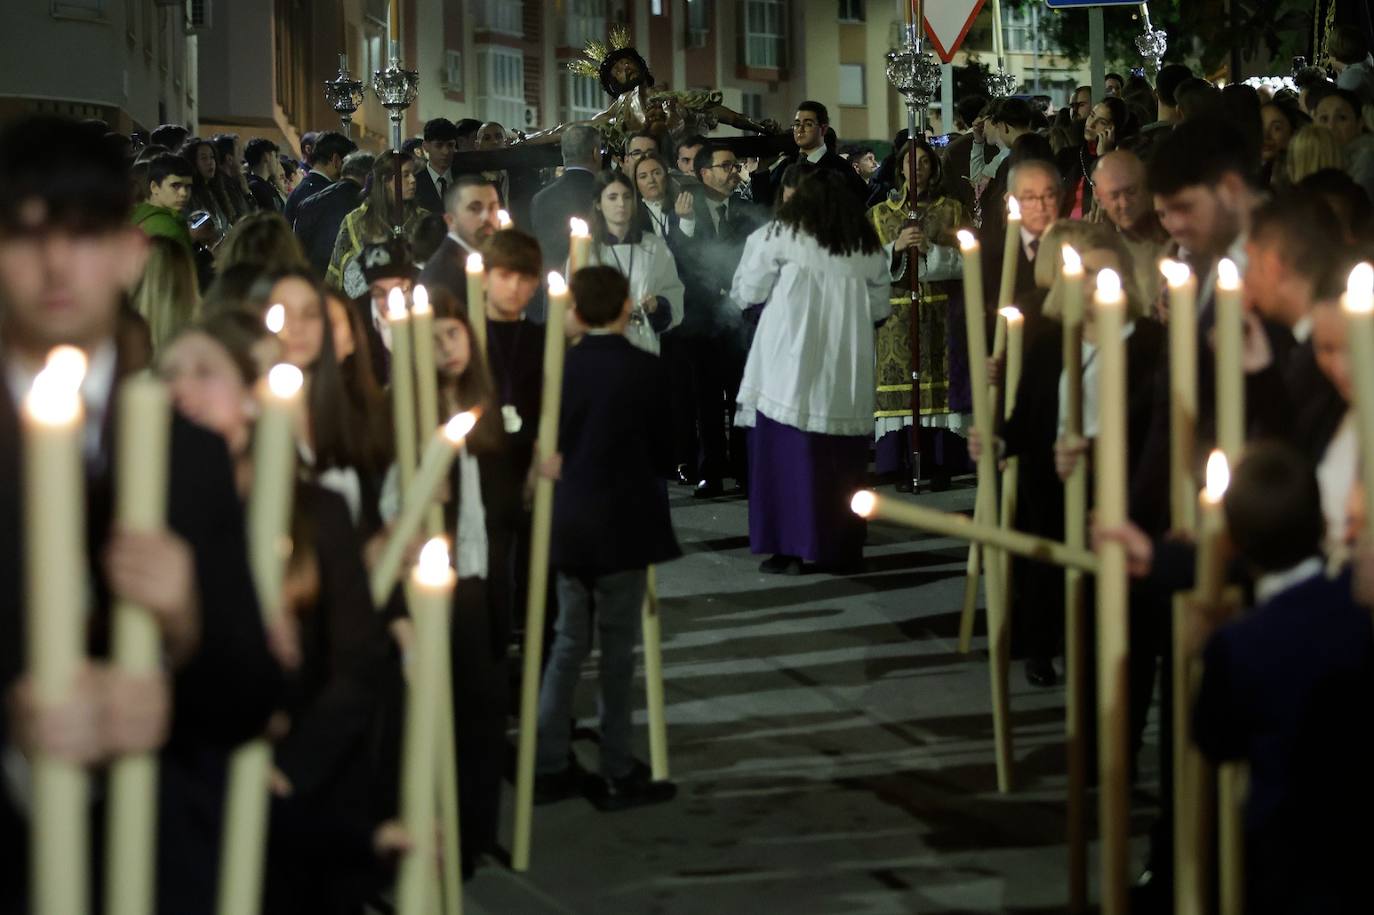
263 239
167 295
1312 149
1084 236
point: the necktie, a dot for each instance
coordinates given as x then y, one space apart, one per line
1034 248
443 186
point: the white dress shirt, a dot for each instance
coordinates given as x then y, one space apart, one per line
435 177
650 270
1336 475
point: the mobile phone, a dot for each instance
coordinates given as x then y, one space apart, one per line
940 142
1137 71
199 219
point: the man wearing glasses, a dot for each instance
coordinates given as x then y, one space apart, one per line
1038 188
808 130
635 149
1122 196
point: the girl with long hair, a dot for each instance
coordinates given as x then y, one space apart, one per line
167 295
926 244
373 222
262 239
664 209
642 257
822 277
205 192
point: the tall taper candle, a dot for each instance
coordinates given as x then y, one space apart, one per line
477 301
1230 331
269 523
1358 303
541 531
986 509
402 385
1112 638
429 594
426 388
1182 392
145 414
55 583
579 245
1007 290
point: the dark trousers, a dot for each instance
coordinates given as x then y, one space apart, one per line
677 359
479 717
717 369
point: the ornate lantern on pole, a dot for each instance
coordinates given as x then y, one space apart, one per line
395 88
1153 42
915 74
1000 83
345 95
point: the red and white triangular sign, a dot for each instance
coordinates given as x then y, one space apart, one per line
948 22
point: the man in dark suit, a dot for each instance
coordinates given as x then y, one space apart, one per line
1289 688
260 155
713 336
808 129
65 194
569 196
433 181
326 163
1036 186
959 154
319 217
471 217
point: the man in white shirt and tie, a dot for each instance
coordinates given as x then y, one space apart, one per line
432 184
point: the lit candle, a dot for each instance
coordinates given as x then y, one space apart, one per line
438 457
429 596
579 245
275 319
1230 370
1211 558
1358 303
269 548
402 385
1112 634
540 533
503 219
1010 252
55 584
1012 320
477 301
426 386
986 506
140 505
1182 391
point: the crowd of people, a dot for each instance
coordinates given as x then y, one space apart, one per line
738 320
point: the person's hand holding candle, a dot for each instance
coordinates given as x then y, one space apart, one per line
156 570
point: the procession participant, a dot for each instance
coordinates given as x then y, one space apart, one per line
433 181
326 162
808 130
372 222
471 217
319 216
1124 199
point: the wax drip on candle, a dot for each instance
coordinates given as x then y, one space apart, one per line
284 380
864 503
457 428
1013 207
433 568
396 305
1218 477
1073 264
503 219
1228 276
276 319
1176 273
1359 288
579 227
475 264
419 301
557 285
967 240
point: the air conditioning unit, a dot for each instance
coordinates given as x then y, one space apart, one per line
531 115
197 16
453 70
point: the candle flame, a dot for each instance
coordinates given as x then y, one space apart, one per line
475 264
579 227
396 304
864 503
1013 207
1073 264
457 428
1218 477
55 398
419 301
1176 273
557 285
1359 288
284 381
967 240
433 568
1010 313
1228 276
503 219
1108 286
276 319
68 362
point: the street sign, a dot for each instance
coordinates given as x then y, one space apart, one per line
948 23
1078 4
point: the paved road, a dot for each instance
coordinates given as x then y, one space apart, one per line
832 747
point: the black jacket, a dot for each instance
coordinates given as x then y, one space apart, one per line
447 267
319 217
310 185
426 194
265 194
551 208
221 697
611 504
765 183
707 262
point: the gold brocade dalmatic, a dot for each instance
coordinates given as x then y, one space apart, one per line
939 217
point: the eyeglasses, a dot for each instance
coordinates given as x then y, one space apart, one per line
636 153
1045 200
729 166
806 123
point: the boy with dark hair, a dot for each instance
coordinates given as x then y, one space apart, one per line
260 155
1288 688
67 255
326 164
610 523
169 187
432 182
169 135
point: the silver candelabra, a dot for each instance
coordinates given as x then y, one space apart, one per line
395 88
345 95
